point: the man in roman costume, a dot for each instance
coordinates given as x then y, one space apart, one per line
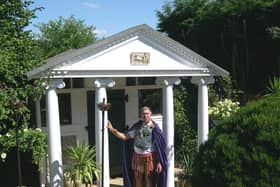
144 159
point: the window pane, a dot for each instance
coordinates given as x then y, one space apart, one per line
65 115
78 82
146 80
130 81
152 99
43 111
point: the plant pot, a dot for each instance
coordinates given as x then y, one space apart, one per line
78 183
89 185
68 183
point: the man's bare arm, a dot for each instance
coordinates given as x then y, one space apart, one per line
117 133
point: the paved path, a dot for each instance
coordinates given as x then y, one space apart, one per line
118 181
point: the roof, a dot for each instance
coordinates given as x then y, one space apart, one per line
111 57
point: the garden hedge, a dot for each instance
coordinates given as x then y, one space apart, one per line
243 150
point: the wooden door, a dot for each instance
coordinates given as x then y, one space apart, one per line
116 115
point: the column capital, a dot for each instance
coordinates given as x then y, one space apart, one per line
203 80
167 81
98 83
55 83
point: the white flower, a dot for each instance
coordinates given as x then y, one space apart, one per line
223 109
3 155
25 130
7 134
38 129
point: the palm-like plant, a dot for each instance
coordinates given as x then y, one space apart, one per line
83 166
273 87
187 166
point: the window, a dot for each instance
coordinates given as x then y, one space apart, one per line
74 83
65 115
151 98
133 81
77 83
130 81
43 111
64 100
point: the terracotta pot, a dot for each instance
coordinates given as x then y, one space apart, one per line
89 185
68 183
78 183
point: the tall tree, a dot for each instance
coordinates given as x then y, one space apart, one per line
57 36
16 92
233 34
16 56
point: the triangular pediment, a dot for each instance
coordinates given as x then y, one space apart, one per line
138 51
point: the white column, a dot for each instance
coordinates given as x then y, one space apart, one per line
168 125
202 108
55 154
101 94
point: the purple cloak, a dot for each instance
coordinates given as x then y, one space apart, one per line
159 179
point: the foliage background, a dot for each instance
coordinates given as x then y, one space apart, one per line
60 35
236 35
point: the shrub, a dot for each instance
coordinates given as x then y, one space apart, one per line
244 150
33 140
185 135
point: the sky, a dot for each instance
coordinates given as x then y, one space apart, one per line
108 16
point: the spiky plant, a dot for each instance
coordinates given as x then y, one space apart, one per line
83 166
273 87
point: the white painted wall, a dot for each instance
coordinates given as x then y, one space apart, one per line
131 106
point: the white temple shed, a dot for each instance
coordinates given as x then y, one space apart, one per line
136 52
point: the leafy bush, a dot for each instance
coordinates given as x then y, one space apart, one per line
29 140
185 135
244 150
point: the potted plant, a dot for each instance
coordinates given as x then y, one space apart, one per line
83 167
67 179
187 167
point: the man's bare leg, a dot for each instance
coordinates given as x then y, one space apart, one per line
148 178
138 179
